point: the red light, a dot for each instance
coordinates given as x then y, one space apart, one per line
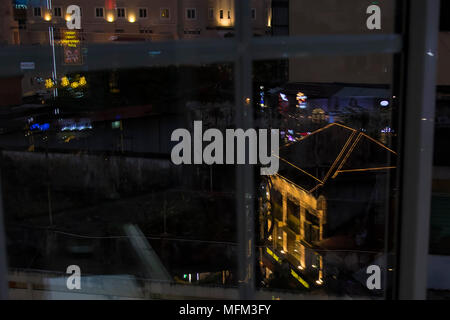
110 4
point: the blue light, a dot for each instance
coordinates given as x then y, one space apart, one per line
20 4
42 127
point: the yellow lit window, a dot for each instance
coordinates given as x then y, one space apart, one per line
165 13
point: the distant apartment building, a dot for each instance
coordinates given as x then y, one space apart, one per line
134 20
9 33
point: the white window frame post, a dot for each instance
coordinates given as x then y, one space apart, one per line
417 153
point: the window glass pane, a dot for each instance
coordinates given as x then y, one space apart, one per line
143 13
121 12
99 12
95 185
90 104
210 13
438 279
327 213
57 12
307 17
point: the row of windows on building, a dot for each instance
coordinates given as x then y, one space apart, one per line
311 224
191 13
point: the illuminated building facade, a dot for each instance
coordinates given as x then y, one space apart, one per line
107 20
315 223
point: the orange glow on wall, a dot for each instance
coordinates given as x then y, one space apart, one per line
131 18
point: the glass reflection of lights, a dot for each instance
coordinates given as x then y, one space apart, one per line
41 127
77 127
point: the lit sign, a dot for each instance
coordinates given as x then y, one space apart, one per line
301 100
70 39
299 279
72 47
283 97
27 66
42 127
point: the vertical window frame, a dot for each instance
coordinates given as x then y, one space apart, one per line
55 9
161 10
143 9
188 12
35 10
210 13
102 11
119 9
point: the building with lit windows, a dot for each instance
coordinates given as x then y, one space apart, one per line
8 27
316 223
139 20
